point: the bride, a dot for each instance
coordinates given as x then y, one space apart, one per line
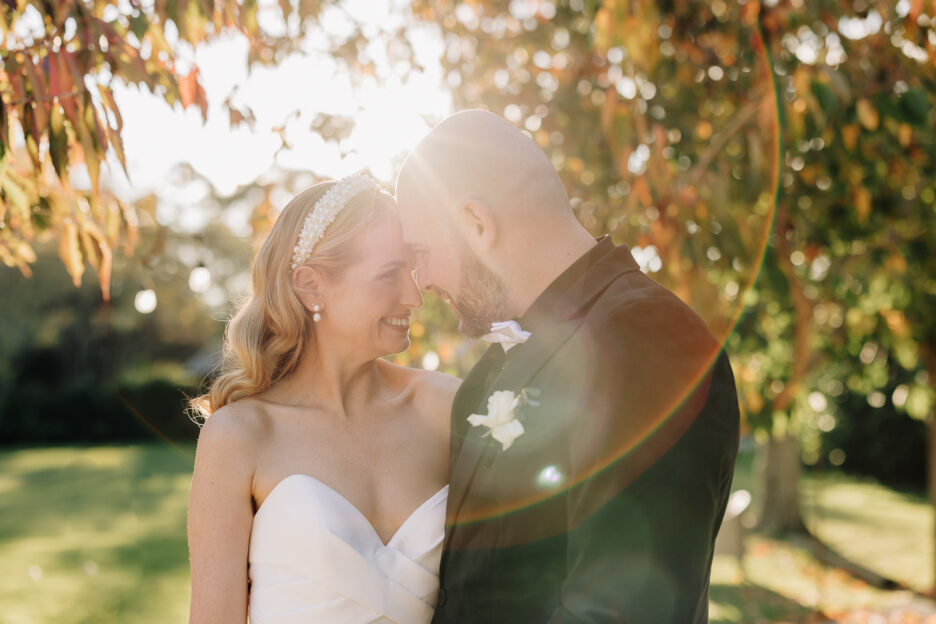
319 487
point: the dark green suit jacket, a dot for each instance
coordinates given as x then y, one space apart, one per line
607 507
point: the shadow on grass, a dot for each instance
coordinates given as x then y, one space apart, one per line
731 604
48 490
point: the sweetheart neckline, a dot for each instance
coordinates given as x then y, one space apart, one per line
351 505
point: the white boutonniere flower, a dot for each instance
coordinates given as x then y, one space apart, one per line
501 419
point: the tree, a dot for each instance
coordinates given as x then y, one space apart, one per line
672 125
60 122
772 163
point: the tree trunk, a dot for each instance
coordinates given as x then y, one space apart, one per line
931 461
929 356
779 472
779 460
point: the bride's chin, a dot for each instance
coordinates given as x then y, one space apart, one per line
399 340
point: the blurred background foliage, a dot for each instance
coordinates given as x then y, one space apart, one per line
771 162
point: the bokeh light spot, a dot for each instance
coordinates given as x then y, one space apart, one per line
145 301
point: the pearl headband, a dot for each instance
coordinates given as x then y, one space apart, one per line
324 212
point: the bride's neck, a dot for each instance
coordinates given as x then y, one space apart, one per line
329 379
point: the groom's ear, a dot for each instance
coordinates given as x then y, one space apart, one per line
477 224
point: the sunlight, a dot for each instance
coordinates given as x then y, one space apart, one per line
392 111
388 125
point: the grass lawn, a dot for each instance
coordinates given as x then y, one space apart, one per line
94 534
881 529
97 535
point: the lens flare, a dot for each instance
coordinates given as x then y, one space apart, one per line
551 480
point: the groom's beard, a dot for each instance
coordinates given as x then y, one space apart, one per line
482 297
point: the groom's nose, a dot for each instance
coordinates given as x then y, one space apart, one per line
422 276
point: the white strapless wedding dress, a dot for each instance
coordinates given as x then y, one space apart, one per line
314 558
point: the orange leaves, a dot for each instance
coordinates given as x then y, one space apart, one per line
92 159
113 133
99 255
192 92
262 218
18 253
49 97
905 135
107 96
66 86
621 23
70 252
604 25
132 233
60 113
84 234
850 135
750 13
868 115
92 233
862 204
897 322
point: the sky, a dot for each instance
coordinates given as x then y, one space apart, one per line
390 117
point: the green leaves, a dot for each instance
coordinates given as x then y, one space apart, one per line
58 142
916 105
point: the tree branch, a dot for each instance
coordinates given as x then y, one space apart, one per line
693 177
802 315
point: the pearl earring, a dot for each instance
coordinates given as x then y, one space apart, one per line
316 316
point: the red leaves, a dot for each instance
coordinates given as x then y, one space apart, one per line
237 117
47 98
192 92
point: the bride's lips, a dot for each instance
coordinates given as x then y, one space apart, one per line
398 323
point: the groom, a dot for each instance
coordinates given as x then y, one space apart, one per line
593 444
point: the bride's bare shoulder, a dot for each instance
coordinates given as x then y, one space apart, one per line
437 387
239 426
431 391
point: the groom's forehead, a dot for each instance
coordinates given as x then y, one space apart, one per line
417 231
418 195
419 212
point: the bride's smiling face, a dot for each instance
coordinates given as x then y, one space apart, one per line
367 307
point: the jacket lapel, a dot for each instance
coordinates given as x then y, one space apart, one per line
529 358
550 329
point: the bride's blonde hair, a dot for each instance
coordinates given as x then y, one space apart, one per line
271 330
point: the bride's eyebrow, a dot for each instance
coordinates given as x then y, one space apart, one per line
396 264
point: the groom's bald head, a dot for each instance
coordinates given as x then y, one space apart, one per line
487 217
477 155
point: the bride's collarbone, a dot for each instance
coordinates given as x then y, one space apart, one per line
361 466
374 456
